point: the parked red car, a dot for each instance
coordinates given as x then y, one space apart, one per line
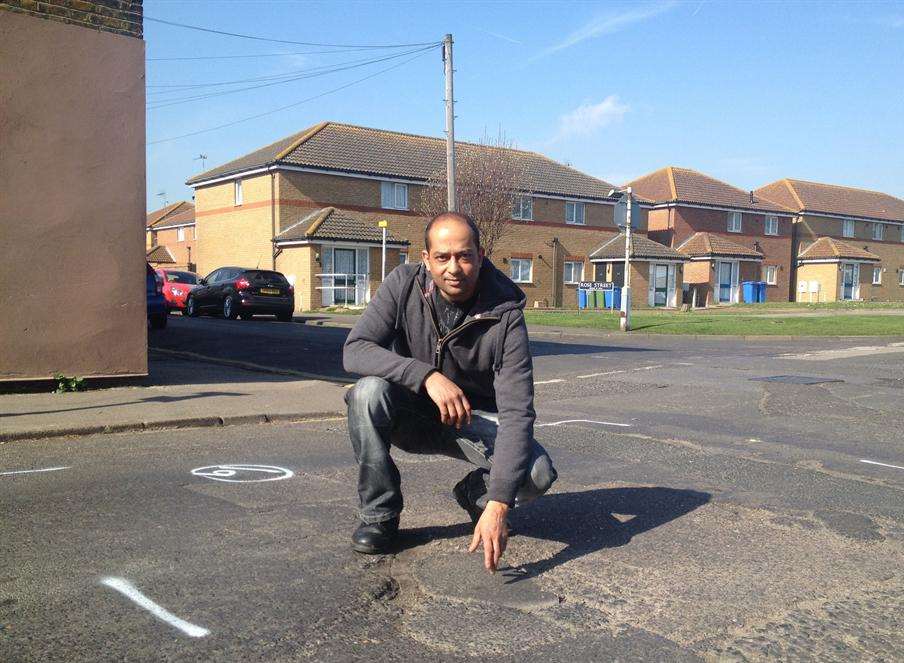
176 286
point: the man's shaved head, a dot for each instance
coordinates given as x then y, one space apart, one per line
453 217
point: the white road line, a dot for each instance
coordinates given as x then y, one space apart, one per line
596 375
126 588
549 381
46 469
582 421
873 462
648 368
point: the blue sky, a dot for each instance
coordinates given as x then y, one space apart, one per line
746 92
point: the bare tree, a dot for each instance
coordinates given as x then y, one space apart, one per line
489 175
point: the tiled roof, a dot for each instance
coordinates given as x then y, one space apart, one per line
828 248
330 223
805 196
683 185
349 148
709 245
160 255
175 213
643 247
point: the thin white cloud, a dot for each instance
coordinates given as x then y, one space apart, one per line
589 118
608 23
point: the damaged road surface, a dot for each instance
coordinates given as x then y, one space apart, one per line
700 515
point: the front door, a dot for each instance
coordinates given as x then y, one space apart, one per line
344 280
850 275
725 282
660 285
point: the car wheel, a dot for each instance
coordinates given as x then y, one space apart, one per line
284 317
158 321
191 308
229 311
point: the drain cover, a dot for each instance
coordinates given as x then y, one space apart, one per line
795 379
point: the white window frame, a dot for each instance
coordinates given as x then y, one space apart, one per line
771 224
575 206
901 279
523 208
773 270
238 196
732 216
572 263
902 233
180 234
878 231
877 276
403 257
848 228
393 195
518 278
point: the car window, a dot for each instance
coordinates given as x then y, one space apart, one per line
182 277
264 275
214 276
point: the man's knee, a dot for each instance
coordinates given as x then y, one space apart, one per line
368 391
543 474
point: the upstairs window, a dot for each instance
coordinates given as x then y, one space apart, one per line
574 271
238 192
771 225
847 228
393 195
180 234
902 233
523 208
574 213
521 269
877 276
734 222
879 231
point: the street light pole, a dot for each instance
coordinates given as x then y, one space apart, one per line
450 125
625 318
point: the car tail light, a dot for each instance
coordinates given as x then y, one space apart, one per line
242 284
291 289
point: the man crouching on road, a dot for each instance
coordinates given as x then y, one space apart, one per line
444 347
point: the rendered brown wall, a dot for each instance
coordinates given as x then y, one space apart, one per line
72 215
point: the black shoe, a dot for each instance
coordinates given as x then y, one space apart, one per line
468 491
376 539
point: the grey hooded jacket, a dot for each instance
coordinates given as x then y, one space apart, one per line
487 356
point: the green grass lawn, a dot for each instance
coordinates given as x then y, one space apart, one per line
791 307
732 325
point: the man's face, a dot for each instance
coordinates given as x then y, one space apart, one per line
453 261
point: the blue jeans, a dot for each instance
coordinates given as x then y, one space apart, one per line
382 414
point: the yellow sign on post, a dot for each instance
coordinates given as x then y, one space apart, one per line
383 224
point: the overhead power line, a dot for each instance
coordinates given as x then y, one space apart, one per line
256 55
279 41
292 105
208 95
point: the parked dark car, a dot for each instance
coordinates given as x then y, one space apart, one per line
177 283
158 311
238 292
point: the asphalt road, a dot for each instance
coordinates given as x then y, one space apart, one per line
702 513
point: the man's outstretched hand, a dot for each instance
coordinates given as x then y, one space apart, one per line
454 408
492 529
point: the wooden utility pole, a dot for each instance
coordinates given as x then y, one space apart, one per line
450 125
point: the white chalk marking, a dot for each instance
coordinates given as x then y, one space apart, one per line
683 363
549 381
596 375
648 368
582 421
46 469
873 462
128 590
238 473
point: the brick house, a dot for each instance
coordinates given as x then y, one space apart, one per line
731 235
656 270
862 225
172 228
245 210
